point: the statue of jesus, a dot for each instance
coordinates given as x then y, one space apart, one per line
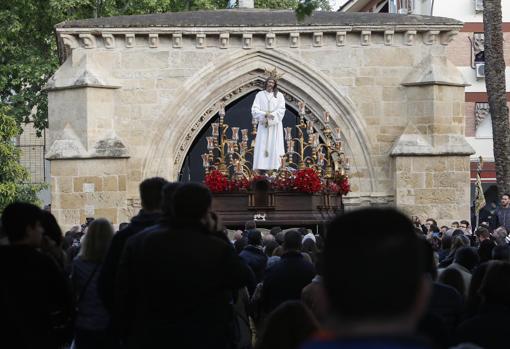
268 110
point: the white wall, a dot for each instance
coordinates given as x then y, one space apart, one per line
478 85
464 10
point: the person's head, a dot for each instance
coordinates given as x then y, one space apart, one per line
275 230
150 193
501 253
482 234
269 247
240 244
500 235
459 241
505 200
51 228
495 286
464 225
22 223
123 225
455 225
388 282
308 245
292 241
271 86
191 204
446 242
254 238
97 240
238 235
288 326
457 232
452 277
167 202
249 225
467 257
429 223
443 229
280 237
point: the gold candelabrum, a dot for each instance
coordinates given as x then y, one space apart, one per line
304 149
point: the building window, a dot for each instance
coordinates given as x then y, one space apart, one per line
483 122
401 6
32 153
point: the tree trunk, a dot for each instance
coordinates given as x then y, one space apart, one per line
496 91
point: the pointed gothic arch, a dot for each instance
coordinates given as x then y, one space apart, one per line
231 77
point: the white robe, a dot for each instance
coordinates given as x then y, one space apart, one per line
269 138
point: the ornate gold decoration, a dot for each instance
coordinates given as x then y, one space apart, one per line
273 73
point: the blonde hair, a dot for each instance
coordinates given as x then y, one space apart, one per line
96 241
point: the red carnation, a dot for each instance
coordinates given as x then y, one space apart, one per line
216 181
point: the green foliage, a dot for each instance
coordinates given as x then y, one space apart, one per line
14 177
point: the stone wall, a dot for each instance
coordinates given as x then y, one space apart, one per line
137 96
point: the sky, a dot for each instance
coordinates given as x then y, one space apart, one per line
335 4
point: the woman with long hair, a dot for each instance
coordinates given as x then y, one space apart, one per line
92 319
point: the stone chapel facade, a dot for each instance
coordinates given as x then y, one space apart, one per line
133 92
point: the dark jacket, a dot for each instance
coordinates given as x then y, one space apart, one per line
108 274
175 285
286 279
487 329
501 218
256 260
32 287
448 304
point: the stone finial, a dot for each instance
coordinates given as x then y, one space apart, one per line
481 112
89 40
247 41
130 40
108 40
224 39
200 40
317 39
270 40
177 40
365 37
388 37
448 36
153 40
70 41
430 37
340 38
410 37
294 40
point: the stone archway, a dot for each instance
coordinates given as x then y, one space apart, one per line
231 77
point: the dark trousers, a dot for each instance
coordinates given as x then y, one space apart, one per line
94 339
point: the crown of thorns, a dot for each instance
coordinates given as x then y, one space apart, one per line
273 74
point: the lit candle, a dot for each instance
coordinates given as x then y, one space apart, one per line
210 143
338 133
244 133
215 129
238 167
310 126
301 106
235 133
282 161
230 147
205 160
288 133
326 117
222 109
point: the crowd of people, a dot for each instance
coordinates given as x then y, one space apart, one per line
174 277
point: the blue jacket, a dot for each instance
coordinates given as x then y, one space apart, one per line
256 260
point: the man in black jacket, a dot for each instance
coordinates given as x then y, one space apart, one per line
175 284
254 256
32 288
150 195
286 279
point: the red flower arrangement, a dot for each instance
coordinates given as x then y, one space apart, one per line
340 185
216 181
283 184
239 185
307 181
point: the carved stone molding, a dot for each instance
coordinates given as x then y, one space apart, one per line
177 40
365 37
388 37
270 40
88 40
430 37
294 40
317 39
70 41
224 40
247 41
481 113
410 37
130 40
200 41
108 40
153 40
340 38
448 36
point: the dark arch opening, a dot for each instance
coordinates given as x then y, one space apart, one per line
238 114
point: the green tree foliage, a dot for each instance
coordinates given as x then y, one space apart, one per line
28 55
14 178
